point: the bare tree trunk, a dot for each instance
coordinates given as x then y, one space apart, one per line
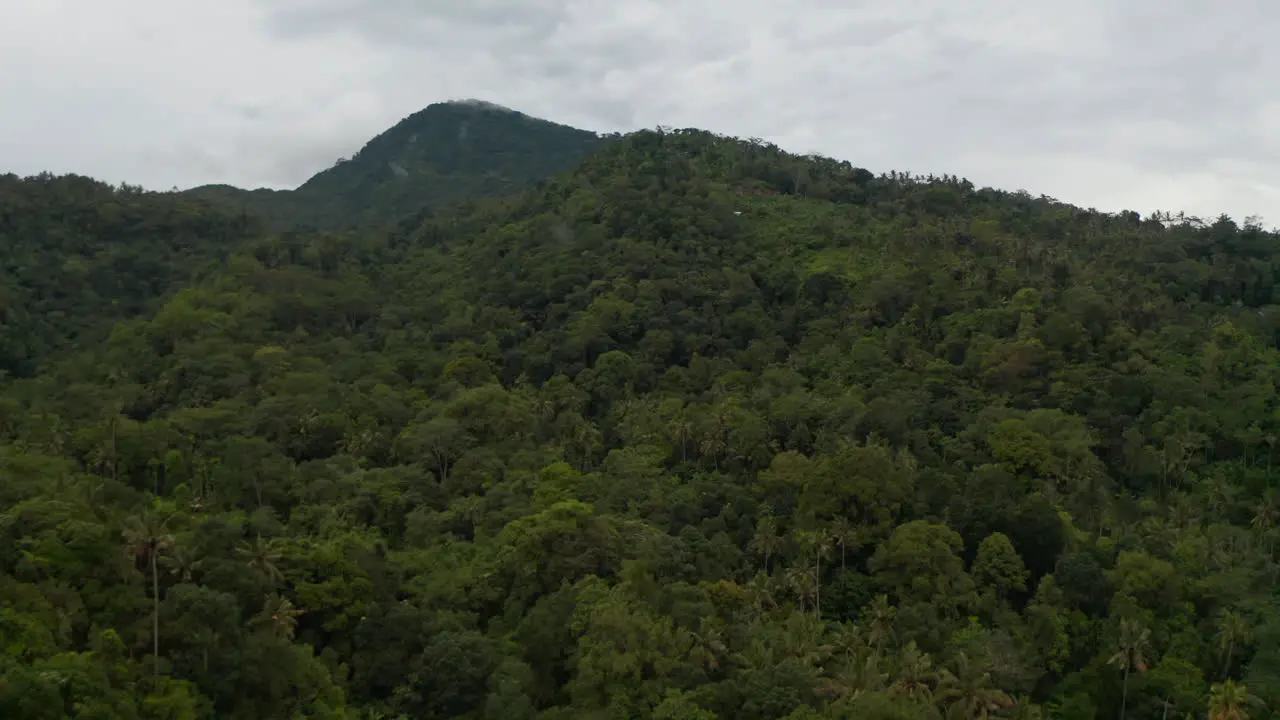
155 613
115 461
1124 692
817 585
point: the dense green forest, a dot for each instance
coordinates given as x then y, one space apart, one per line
695 429
76 255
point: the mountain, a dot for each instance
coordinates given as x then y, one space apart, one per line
442 154
81 255
697 428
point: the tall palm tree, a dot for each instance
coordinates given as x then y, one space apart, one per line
205 638
148 537
822 544
1229 701
1132 647
801 581
680 432
766 541
714 437
1264 520
845 534
107 454
880 615
1232 630
817 542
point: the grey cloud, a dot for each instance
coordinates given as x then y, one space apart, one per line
251 112
1146 104
411 22
271 159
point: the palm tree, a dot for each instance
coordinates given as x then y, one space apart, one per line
968 693
845 638
821 548
852 677
264 557
1229 701
278 617
714 438
107 453
845 534
802 583
760 588
880 615
1264 521
766 540
802 639
147 537
819 543
205 638
1220 495
680 432
182 562
707 647
1270 438
1133 645
1232 629
1184 511
915 677
759 654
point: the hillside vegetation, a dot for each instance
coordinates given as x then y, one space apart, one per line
76 254
445 153
696 429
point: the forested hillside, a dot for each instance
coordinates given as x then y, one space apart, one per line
76 254
444 153
697 429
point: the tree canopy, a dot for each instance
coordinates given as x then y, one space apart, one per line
692 428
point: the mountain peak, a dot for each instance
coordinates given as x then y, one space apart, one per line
481 104
447 151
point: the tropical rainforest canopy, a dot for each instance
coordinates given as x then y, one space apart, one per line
668 425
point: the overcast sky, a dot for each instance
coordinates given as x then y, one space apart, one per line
1116 104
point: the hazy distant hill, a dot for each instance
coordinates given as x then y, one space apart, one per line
444 153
